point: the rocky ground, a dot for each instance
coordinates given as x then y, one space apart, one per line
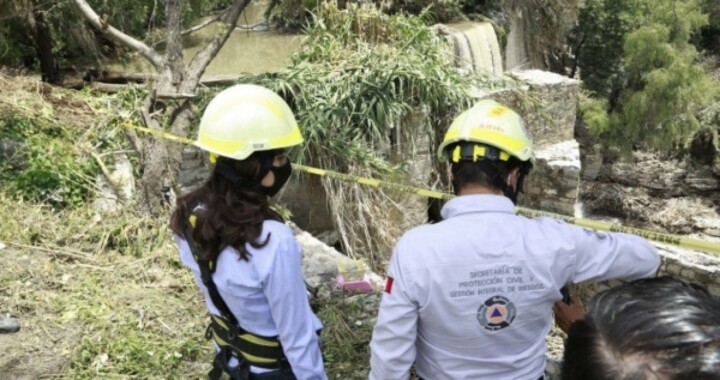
676 195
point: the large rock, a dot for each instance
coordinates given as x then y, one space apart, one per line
194 168
553 119
320 261
306 199
664 178
666 193
112 199
13 152
553 184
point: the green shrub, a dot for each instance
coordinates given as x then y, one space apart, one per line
639 60
54 170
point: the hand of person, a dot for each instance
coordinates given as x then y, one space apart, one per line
566 314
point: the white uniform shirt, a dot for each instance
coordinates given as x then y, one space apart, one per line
267 295
471 297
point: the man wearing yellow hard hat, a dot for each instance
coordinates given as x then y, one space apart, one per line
471 297
245 260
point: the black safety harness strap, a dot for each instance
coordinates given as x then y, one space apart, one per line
233 340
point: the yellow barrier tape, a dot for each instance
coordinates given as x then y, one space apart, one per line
685 242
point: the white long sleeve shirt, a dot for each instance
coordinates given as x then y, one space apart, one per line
471 297
267 295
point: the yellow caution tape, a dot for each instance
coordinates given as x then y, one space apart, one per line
373 182
696 244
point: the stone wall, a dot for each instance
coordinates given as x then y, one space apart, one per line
690 266
552 120
553 184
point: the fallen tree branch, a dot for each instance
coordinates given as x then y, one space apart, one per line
117 187
175 96
257 27
134 141
108 88
101 24
202 59
208 80
204 24
55 251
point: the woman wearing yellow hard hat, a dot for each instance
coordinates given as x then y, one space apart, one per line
244 258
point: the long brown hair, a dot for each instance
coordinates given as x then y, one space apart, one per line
231 215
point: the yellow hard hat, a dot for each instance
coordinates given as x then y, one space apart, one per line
489 123
244 119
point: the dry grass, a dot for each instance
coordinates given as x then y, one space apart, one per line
106 297
371 220
32 99
99 297
348 322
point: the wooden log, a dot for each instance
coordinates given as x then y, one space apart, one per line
108 88
113 82
122 78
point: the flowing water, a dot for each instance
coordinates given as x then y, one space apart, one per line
476 47
254 51
244 52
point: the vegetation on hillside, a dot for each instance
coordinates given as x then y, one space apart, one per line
642 69
355 83
371 87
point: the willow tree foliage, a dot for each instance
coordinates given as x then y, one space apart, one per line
645 74
602 27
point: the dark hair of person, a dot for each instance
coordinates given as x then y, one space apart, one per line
470 173
231 215
659 328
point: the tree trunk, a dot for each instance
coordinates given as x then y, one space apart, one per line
161 157
43 44
169 103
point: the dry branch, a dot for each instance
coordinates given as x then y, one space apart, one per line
55 251
101 24
102 86
117 187
203 57
108 88
204 24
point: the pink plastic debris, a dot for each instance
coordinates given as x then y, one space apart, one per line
364 285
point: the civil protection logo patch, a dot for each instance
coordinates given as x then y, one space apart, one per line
496 313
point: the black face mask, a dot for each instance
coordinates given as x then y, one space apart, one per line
282 174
